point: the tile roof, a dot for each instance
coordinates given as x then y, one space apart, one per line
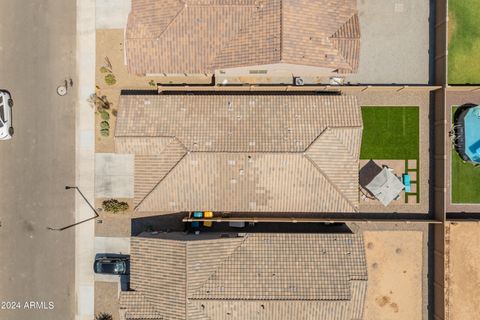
242 152
259 276
197 36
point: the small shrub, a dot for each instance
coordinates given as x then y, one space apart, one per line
104 70
115 206
110 79
103 316
105 132
114 112
104 125
152 83
104 115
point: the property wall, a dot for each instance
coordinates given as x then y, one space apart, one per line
441 45
440 127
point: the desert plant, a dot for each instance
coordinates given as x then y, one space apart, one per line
99 102
115 206
114 112
152 83
105 132
105 70
110 79
108 64
103 316
105 104
104 125
104 115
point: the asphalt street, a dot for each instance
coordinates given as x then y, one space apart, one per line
37 54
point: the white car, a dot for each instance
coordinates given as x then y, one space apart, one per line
6 104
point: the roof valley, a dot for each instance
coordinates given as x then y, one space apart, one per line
334 186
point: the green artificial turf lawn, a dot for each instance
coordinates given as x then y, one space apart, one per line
464 42
465 179
390 133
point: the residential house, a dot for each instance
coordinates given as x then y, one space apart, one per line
242 153
246 276
243 37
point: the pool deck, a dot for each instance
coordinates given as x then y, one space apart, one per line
457 98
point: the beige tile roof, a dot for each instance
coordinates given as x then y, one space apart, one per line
259 276
197 36
236 123
133 305
242 152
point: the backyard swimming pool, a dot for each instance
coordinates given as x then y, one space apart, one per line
467 132
472 134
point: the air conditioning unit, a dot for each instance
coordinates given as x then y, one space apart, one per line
298 81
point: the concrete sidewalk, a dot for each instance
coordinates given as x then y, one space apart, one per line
85 151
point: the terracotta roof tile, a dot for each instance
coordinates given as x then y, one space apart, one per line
241 182
284 274
243 153
236 123
135 306
345 144
160 276
204 35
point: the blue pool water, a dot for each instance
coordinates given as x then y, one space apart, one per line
472 134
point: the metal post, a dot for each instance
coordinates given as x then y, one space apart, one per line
77 223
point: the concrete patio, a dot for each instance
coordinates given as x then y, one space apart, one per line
395 42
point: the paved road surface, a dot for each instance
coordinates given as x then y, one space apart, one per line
37 52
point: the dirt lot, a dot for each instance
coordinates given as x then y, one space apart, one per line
394 260
464 265
106 298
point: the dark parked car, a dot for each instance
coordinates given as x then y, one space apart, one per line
112 263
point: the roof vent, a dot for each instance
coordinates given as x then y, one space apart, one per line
298 81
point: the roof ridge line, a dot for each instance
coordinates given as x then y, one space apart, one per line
211 62
316 138
341 141
244 240
339 54
331 182
169 171
172 21
355 14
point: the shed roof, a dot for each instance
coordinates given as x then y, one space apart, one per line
197 36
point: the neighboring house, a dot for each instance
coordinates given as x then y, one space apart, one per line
243 37
242 153
251 276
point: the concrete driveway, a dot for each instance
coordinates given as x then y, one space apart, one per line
112 14
111 245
